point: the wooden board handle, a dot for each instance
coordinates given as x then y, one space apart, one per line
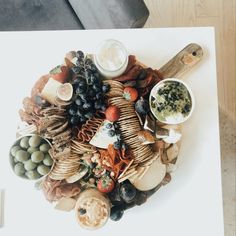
182 62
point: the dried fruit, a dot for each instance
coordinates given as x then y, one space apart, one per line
60 73
127 192
112 113
70 59
172 152
130 94
166 179
145 137
65 92
142 107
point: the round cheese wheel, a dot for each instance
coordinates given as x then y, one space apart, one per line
152 177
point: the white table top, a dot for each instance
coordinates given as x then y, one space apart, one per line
190 205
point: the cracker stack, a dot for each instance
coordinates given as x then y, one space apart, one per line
130 126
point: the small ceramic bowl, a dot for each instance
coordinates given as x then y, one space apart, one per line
27 165
162 105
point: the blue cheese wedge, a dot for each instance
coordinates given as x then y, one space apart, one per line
101 139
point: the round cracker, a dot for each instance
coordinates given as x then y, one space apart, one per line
129 126
127 114
126 117
142 153
133 144
132 120
114 84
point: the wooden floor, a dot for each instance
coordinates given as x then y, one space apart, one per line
218 13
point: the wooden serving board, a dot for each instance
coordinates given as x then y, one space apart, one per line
182 62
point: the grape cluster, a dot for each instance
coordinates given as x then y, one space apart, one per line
88 91
125 196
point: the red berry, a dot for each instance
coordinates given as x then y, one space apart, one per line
105 184
130 94
112 113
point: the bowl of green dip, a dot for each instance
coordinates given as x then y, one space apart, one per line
171 101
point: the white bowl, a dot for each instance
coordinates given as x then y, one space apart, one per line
154 92
17 141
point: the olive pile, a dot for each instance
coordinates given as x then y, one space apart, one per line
30 158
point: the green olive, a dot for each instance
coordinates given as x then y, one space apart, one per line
47 161
29 165
44 147
14 149
22 155
43 170
32 174
24 143
35 141
37 156
13 160
32 149
19 169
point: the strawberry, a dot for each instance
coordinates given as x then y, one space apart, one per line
105 184
130 94
112 113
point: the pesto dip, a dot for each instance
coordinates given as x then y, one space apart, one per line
171 102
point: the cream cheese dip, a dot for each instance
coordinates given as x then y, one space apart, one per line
111 58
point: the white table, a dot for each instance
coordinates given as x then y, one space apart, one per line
190 205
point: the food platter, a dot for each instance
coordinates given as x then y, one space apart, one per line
176 201
106 151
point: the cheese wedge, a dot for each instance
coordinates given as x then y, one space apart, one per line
49 92
101 139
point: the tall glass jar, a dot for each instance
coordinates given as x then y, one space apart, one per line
111 58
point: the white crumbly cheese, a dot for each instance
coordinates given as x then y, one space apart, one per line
173 137
170 168
111 56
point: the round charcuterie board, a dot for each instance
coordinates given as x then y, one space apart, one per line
102 140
